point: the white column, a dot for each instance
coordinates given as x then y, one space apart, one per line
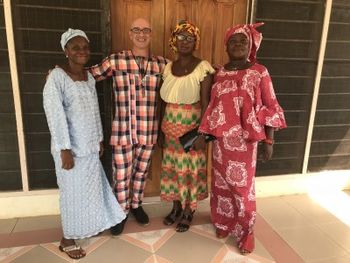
326 19
16 92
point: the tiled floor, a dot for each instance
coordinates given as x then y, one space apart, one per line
289 229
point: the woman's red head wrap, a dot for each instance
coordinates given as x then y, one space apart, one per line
254 37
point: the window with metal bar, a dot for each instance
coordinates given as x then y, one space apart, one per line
38 26
330 148
289 50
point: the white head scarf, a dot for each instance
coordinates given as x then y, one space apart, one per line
69 34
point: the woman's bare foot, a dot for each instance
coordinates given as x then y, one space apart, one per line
69 247
175 213
186 220
245 252
221 234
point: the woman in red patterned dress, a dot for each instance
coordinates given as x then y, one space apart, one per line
243 110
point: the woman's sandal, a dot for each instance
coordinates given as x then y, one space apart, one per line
69 249
185 222
172 217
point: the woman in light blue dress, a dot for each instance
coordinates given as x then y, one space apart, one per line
87 203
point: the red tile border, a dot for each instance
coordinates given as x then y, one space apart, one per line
274 244
34 237
37 237
17 254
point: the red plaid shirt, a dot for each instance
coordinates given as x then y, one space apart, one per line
135 84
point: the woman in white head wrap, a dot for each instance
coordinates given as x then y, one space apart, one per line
87 203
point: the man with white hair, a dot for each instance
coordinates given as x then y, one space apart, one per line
136 77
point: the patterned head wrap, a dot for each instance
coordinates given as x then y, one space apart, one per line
69 34
254 37
187 27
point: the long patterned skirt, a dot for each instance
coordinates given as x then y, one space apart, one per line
183 175
233 207
87 203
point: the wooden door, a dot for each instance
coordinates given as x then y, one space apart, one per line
212 17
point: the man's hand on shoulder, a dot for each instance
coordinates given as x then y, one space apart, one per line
49 71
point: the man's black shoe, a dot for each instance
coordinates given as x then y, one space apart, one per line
140 215
118 228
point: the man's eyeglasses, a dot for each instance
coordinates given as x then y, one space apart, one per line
181 37
138 30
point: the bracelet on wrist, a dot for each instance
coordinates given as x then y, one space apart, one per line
269 141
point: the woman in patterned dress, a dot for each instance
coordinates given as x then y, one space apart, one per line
185 91
243 110
87 203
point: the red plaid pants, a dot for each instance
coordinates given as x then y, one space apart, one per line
130 163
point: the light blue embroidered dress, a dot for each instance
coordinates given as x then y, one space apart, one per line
87 203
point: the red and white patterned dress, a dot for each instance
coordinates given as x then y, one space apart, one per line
242 103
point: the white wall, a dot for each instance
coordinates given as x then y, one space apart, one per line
39 203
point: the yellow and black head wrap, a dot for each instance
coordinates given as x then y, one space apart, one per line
186 26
